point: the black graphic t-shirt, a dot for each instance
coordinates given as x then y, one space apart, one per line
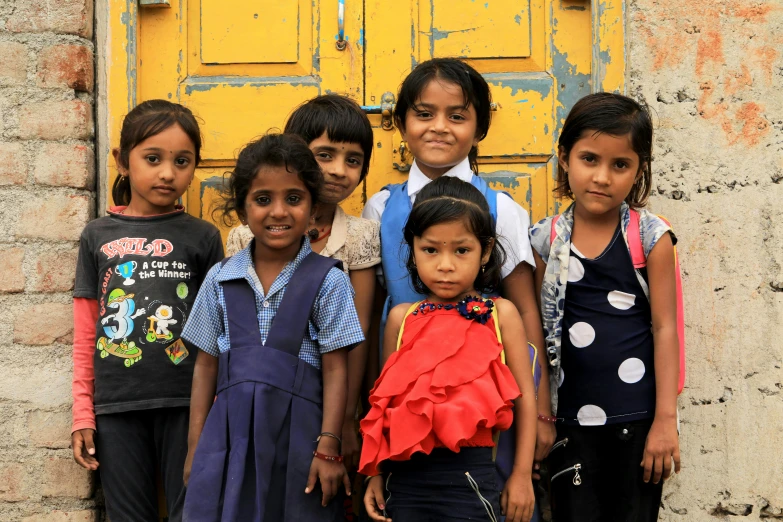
145 273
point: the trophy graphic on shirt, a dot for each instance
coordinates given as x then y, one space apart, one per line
126 270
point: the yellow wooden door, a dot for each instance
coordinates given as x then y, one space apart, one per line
538 57
243 65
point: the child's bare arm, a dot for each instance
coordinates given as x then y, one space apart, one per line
523 288
662 441
334 368
392 332
202 396
517 499
363 282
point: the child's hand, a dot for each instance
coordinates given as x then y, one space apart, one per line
517 500
188 467
373 500
330 474
83 447
661 446
351 449
545 438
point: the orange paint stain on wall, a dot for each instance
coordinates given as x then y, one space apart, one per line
737 81
754 13
766 57
709 49
754 124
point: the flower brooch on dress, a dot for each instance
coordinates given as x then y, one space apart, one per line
472 307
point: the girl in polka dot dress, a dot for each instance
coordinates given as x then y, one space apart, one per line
610 329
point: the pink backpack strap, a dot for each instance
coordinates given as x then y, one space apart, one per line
635 241
552 233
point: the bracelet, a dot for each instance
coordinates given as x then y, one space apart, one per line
328 458
547 418
332 435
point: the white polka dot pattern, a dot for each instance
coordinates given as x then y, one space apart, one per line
576 271
621 300
581 334
631 370
591 415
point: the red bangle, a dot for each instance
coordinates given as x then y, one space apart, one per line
547 418
328 458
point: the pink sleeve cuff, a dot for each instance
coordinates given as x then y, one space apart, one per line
85 317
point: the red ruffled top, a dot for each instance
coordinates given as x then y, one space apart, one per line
446 386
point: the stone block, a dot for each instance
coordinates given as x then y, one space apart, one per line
56 120
44 324
58 217
49 429
11 482
13 63
12 277
66 66
65 165
65 478
54 271
57 16
13 169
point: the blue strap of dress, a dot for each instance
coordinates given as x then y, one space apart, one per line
290 323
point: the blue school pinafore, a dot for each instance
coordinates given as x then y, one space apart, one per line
255 452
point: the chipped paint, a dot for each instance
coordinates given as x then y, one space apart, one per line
540 83
201 85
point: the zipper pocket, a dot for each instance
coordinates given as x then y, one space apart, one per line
577 479
559 444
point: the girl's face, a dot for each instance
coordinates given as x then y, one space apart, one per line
277 209
448 258
602 170
341 163
160 169
440 130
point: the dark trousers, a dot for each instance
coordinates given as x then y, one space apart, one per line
608 485
437 487
129 446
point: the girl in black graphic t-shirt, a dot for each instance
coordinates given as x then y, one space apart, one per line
138 273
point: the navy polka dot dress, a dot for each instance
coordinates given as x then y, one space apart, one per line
607 348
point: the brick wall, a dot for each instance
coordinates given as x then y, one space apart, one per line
47 193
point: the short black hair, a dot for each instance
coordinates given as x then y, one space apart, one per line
146 120
474 88
272 150
445 200
615 115
341 118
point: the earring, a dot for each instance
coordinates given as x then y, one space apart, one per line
483 268
313 232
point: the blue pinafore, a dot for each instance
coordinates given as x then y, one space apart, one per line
254 455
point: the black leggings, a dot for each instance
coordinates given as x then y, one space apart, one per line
596 475
128 447
443 486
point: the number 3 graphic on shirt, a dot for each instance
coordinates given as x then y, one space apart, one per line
125 307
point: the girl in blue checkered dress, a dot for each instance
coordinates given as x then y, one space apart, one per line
274 324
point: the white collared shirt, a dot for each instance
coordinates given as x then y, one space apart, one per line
512 223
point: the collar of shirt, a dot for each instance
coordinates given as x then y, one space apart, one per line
417 180
241 266
338 234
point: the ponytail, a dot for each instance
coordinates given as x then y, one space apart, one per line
121 191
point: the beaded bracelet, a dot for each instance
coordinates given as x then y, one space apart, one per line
547 418
328 458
